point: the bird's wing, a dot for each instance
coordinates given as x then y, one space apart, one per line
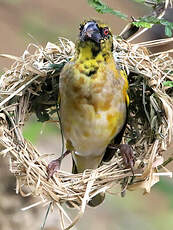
109 152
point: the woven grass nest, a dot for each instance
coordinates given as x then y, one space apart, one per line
31 86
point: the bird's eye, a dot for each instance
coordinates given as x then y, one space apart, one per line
106 31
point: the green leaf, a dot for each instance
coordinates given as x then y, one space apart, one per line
143 24
168 31
168 83
100 7
148 22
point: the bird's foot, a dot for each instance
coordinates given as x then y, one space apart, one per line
128 156
54 165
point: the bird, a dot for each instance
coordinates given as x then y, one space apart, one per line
93 102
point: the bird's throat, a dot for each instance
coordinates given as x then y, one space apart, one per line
88 50
90 57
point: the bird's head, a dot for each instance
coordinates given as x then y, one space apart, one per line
96 34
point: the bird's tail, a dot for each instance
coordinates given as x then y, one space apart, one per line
96 200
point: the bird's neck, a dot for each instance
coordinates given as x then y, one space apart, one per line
90 57
92 51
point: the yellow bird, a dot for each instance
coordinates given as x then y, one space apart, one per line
94 100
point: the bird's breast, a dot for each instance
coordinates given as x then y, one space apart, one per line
93 109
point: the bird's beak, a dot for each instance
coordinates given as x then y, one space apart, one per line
91 32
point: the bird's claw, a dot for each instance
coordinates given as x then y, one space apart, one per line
128 156
53 166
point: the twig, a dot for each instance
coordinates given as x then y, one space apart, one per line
45 218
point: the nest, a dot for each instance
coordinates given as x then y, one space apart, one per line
31 86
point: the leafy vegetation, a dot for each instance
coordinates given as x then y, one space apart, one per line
148 22
168 83
102 8
145 22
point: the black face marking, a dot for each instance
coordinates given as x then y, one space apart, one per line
90 32
98 37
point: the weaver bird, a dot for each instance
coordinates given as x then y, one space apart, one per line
94 102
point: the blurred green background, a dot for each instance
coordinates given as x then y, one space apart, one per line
46 21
